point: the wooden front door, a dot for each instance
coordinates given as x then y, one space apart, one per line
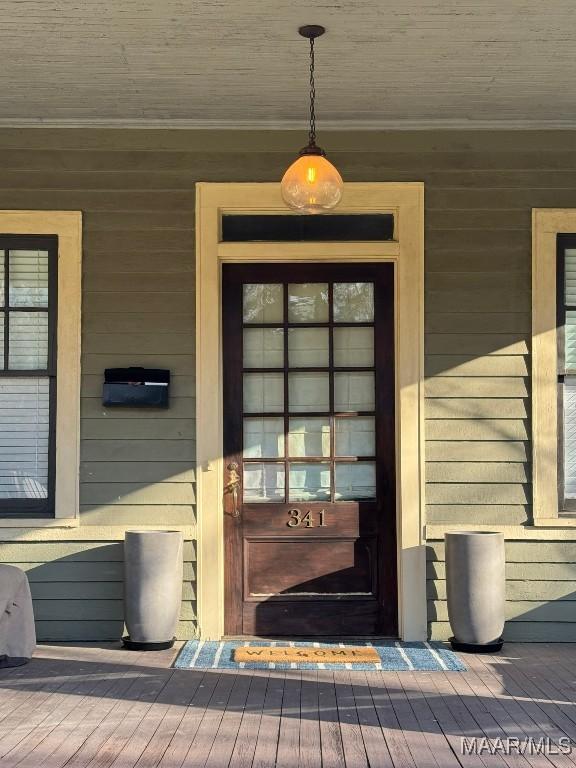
310 511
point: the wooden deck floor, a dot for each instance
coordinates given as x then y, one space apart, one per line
100 706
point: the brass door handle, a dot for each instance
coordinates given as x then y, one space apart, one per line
233 486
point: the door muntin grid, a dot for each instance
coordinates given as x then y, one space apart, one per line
309 410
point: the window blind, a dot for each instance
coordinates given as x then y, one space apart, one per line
24 438
570 314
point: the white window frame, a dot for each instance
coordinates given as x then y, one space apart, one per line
67 226
547 224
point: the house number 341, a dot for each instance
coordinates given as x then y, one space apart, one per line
308 520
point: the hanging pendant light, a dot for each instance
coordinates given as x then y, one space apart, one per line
311 184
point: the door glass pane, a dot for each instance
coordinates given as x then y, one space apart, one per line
308 303
263 303
354 391
263 392
28 278
355 436
263 438
353 347
309 437
355 481
263 348
308 347
264 482
2 263
310 482
353 302
28 340
308 392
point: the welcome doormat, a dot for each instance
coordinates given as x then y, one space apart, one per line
289 654
390 656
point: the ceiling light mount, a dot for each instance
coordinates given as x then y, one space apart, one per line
311 31
312 184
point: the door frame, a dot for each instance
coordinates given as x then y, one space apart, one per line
406 251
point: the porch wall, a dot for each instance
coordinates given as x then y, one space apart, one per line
77 588
136 189
540 591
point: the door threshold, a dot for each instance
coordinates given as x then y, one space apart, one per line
312 638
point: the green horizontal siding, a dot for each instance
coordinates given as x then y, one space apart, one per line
136 191
520 631
77 588
97 630
540 591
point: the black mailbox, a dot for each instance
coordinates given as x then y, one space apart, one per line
136 387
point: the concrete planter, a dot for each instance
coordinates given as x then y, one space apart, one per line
475 585
152 588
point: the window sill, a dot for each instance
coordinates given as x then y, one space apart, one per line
14 531
41 522
562 521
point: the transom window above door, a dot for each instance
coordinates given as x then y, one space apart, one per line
309 412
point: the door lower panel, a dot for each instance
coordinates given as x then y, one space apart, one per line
301 618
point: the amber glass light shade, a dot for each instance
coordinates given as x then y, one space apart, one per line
311 185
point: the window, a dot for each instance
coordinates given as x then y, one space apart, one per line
40 309
28 310
553 248
566 322
358 227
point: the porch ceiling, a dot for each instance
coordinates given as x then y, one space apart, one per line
241 63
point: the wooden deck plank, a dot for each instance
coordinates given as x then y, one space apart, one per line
490 727
554 687
169 724
266 745
289 732
493 705
245 746
57 745
130 721
395 738
76 731
450 727
187 729
509 712
310 745
86 706
418 700
206 734
223 747
330 733
15 686
145 732
374 741
465 724
352 741
41 682
72 693
418 744
102 737
547 718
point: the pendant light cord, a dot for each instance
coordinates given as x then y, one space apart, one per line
312 132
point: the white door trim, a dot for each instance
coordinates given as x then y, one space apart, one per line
406 202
